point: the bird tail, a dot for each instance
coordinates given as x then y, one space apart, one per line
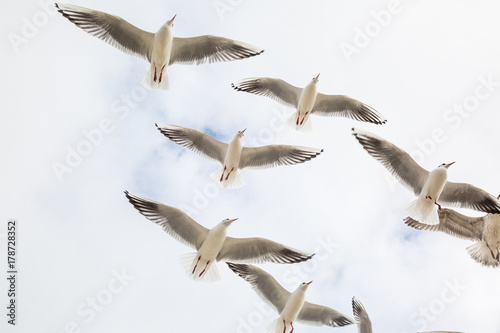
234 181
423 210
306 125
276 326
482 254
188 262
149 82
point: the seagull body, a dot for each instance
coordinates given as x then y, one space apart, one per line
308 101
161 49
361 317
432 188
214 244
291 306
234 156
485 230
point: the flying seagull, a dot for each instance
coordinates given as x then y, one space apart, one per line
432 188
361 317
160 49
308 101
234 156
213 245
485 230
291 306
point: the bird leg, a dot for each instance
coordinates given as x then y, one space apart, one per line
291 324
154 79
229 173
161 73
439 206
284 326
491 251
194 269
203 271
222 176
301 124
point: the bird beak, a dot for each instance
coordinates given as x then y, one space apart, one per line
173 18
243 131
308 283
317 76
450 164
233 220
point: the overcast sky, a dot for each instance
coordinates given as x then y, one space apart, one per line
78 129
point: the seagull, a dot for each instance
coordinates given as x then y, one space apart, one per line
291 306
432 188
308 101
160 49
361 317
234 156
213 245
485 230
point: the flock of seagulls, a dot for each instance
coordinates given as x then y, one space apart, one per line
432 189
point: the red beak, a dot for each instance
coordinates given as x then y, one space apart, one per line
317 76
308 283
173 18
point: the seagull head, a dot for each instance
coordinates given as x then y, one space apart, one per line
227 222
445 165
316 79
171 22
303 286
240 134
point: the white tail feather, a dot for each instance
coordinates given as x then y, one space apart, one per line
305 127
276 326
188 262
149 82
482 254
234 181
423 210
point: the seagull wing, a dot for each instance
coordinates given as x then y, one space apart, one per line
275 155
174 221
259 250
196 141
319 315
202 49
343 106
264 285
468 196
454 224
361 317
276 89
396 160
112 29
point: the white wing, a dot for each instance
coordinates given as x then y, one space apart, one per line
468 196
274 155
202 49
196 141
343 106
361 317
111 29
174 221
264 285
276 89
396 160
319 315
259 250
454 224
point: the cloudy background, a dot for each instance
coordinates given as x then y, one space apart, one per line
89 262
